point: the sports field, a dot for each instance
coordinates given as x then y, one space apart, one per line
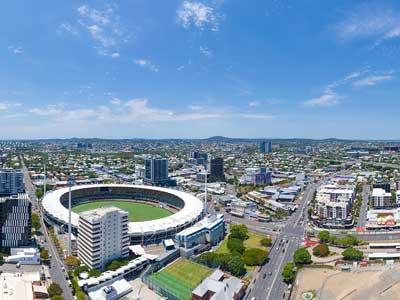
138 212
181 278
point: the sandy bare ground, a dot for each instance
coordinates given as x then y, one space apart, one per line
365 284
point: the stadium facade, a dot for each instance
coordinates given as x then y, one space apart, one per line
190 208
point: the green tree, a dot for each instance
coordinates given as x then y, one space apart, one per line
1 259
72 261
235 245
80 295
324 236
321 250
44 254
209 259
280 213
39 193
288 272
236 265
57 297
302 257
35 221
333 240
239 231
54 289
254 256
348 241
353 254
94 273
266 242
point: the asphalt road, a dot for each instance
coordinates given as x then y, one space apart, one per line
364 206
269 283
56 270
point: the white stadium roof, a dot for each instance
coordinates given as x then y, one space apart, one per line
193 208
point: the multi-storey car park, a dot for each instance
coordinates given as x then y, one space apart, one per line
189 208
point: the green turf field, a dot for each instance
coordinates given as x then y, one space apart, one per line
181 278
138 212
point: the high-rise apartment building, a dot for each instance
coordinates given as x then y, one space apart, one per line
11 182
103 236
216 168
15 221
266 147
156 171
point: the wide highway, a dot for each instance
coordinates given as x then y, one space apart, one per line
269 283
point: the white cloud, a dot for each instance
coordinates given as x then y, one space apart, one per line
370 21
254 103
206 51
372 80
328 99
67 27
16 50
103 26
133 111
7 105
147 64
115 101
195 107
192 13
358 79
115 55
273 101
257 116
98 34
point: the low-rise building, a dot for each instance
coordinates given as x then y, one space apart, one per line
18 286
207 232
240 208
219 286
23 256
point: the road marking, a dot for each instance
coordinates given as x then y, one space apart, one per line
276 275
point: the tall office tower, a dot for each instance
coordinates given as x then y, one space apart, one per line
15 221
11 182
197 158
266 147
156 171
217 169
103 236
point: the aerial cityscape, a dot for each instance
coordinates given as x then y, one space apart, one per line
200 150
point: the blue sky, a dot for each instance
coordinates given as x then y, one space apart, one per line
153 69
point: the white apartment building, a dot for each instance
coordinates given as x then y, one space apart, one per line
381 199
102 236
333 205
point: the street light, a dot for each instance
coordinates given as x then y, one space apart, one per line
70 183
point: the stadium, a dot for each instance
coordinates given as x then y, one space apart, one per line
183 209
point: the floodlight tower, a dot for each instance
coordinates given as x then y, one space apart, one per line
205 193
70 183
45 179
